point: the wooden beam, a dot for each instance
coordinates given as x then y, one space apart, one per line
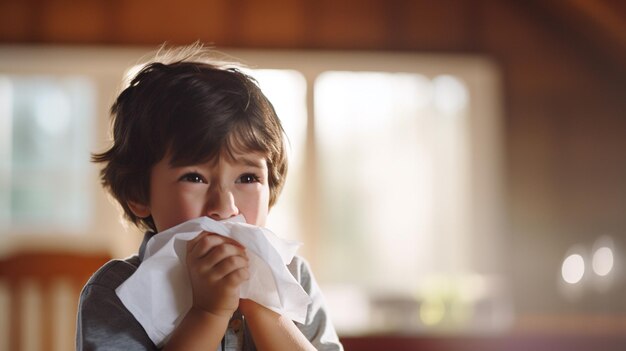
594 27
605 20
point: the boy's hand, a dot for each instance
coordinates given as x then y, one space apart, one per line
217 267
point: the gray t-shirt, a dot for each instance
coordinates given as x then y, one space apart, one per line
105 324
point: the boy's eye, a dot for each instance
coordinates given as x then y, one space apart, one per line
248 178
193 178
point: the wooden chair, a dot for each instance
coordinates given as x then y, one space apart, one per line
45 269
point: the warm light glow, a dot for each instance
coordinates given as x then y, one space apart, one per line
432 311
573 269
130 73
602 262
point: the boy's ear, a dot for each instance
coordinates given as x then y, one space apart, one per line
139 210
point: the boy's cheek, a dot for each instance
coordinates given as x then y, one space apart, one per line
174 215
255 214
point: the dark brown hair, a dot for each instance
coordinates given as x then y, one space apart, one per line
193 111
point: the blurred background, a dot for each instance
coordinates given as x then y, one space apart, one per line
457 170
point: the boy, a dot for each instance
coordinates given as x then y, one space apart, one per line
193 139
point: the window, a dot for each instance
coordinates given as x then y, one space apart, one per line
46 132
392 158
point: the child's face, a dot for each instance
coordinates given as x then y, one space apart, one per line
219 190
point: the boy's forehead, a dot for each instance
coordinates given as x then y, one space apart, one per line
251 158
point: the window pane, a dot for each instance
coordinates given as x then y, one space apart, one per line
394 177
45 153
392 163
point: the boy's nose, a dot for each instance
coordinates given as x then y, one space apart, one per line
222 205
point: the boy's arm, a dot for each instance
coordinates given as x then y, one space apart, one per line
199 330
272 331
318 329
217 267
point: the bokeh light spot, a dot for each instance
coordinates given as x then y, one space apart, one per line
602 262
573 268
432 311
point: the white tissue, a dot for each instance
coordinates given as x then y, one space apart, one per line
159 295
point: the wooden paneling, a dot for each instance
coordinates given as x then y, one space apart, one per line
365 24
342 24
250 22
154 22
44 269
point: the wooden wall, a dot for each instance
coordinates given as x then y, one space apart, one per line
564 76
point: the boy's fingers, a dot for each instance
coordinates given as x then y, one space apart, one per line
204 241
229 265
233 242
237 277
221 253
191 243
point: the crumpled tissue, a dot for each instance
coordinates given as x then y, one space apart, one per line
159 293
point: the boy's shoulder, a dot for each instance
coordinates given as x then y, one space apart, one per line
299 268
114 273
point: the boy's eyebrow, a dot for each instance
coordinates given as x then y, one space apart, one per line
257 163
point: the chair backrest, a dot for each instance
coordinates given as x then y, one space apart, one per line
44 270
